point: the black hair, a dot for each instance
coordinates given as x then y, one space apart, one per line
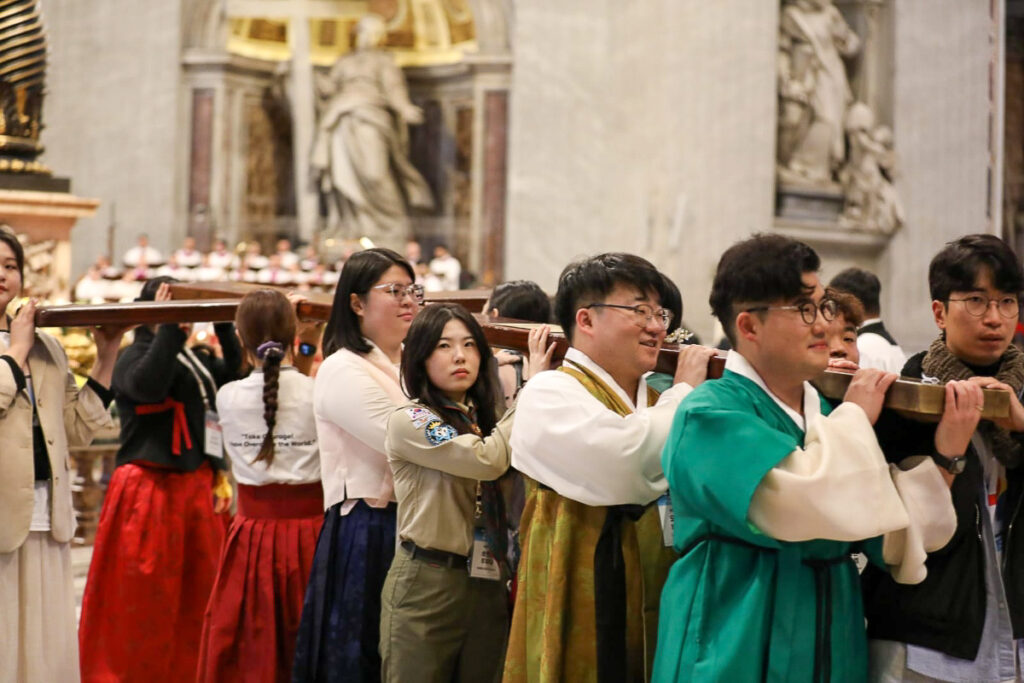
957 266
591 280
361 272
420 343
521 299
10 238
266 322
762 268
861 283
672 299
149 289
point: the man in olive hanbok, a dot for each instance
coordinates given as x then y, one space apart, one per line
773 491
588 439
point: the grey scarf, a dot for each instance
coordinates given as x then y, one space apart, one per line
940 362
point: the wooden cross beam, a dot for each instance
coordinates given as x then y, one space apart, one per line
215 302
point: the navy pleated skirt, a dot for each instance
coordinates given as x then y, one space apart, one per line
340 628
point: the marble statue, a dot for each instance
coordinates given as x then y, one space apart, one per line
359 155
871 202
814 91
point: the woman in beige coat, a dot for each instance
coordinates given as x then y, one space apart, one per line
42 412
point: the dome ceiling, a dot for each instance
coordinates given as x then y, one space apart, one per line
420 32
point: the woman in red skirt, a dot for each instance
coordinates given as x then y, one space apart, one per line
159 536
270 434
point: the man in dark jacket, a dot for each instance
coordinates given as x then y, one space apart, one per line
964 622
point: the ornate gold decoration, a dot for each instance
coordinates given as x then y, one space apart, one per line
22 71
438 32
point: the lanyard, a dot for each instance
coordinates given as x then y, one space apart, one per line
189 360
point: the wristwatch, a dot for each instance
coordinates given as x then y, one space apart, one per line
306 349
952 465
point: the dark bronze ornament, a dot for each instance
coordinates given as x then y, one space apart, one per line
22 74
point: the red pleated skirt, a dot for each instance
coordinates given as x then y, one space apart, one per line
253 615
153 565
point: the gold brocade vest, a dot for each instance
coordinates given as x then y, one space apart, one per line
560 625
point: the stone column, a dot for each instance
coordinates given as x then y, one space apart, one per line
214 170
303 124
490 166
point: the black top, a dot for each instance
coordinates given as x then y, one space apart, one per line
879 329
945 612
153 387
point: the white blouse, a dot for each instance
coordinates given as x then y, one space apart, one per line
296 454
353 397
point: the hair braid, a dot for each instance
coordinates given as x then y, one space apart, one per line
271 375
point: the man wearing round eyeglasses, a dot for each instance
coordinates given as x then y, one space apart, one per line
773 489
588 440
965 622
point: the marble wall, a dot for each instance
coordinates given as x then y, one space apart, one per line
113 116
941 128
656 135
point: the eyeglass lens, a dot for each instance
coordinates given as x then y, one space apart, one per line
644 314
398 291
1008 307
809 311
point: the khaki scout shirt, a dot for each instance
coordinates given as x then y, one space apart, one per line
436 471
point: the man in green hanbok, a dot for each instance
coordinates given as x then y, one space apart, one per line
773 490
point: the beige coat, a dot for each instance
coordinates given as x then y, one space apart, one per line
68 415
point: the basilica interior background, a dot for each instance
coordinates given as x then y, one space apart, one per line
550 129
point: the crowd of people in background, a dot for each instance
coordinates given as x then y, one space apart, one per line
305 269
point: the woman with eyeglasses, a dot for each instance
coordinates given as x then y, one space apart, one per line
356 390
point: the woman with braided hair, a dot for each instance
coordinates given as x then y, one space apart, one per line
270 437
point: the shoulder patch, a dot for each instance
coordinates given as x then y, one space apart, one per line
438 432
420 416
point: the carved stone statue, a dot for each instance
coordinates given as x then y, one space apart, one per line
359 149
871 200
814 91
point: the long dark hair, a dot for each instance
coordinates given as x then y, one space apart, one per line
361 271
10 238
266 323
420 342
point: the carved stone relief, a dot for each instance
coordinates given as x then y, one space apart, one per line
835 164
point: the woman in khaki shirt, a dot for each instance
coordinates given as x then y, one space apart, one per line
444 613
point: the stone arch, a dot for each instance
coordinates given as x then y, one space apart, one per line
494 25
205 24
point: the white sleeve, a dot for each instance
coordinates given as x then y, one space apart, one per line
566 439
929 505
345 395
876 352
838 486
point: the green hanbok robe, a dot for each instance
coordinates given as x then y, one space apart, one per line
739 605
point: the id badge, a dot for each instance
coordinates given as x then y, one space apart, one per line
482 564
214 436
668 519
